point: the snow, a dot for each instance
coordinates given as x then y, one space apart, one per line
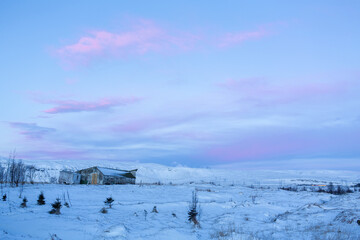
48 171
112 172
234 205
246 213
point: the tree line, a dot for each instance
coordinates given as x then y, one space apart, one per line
15 172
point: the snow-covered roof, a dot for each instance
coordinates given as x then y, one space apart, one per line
68 171
115 172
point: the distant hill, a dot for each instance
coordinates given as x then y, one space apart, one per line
48 171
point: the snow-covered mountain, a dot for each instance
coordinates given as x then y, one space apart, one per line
48 171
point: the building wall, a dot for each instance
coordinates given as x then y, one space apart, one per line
91 176
108 180
67 177
94 176
76 178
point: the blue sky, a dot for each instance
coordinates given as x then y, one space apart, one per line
255 84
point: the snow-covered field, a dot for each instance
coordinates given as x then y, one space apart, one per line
234 205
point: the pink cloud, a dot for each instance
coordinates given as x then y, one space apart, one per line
135 126
267 144
262 31
251 151
282 143
263 91
143 38
188 135
31 130
77 106
144 124
156 127
240 37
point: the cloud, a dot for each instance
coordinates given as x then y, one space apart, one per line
78 106
140 39
55 154
313 164
135 126
239 37
263 91
254 149
262 31
31 130
287 143
177 127
145 37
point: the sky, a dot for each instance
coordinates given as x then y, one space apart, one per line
238 84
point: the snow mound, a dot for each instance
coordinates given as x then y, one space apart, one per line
116 232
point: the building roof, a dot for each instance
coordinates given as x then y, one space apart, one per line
115 172
68 171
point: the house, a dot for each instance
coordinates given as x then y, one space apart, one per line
69 177
107 176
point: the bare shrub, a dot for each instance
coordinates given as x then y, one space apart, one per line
330 188
347 216
253 199
15 172
225 233
104 210
2 178
330 232
338 190
30 169
23 204
203 190
145 214
291 188
54 237
66 200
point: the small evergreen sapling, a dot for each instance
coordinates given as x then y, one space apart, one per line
109 201
56 207
192 216
155 210
41 199
193 209
23 204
